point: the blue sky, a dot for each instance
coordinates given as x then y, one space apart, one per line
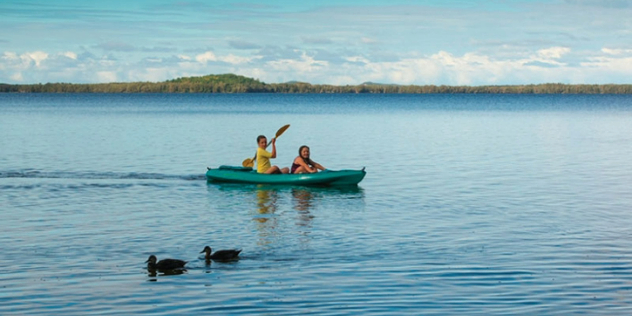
449 42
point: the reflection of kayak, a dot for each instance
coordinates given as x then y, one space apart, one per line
247 175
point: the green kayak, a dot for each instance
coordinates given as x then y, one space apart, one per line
233 174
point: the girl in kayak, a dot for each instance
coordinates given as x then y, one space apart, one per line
303 164
263 157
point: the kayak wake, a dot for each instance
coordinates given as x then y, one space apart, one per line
31 173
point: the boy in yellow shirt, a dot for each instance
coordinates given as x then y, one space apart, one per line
264 156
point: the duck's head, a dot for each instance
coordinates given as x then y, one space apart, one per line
206 250
152 260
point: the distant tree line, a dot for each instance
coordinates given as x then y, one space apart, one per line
230 83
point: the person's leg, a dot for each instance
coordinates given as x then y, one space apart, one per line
285 170
300 169
273 169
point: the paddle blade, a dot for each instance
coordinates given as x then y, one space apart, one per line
281 130
248 162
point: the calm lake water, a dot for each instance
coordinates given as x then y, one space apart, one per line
472 204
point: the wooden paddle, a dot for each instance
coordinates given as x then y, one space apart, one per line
249 162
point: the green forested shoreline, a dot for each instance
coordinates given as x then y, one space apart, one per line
229 83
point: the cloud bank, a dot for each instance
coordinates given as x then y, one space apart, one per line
553 64
395 42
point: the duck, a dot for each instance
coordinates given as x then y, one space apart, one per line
164 264
221 255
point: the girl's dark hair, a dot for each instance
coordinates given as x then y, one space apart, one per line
259 138
308 160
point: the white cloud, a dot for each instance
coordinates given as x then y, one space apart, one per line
553 52
404 71
17 77
70 55
24 60
611 51
235 60
36 57
304 64
206 57
444 58
615 65
367 40
106 76
150 74
230 58
357 59
10 56
105 62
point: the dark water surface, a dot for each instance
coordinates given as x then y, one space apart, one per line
472 204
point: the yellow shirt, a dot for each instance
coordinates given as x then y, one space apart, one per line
263 160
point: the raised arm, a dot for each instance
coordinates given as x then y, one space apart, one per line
273 148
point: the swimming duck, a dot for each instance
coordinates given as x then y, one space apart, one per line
164 264
221 255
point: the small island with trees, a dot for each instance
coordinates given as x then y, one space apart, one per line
230 83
